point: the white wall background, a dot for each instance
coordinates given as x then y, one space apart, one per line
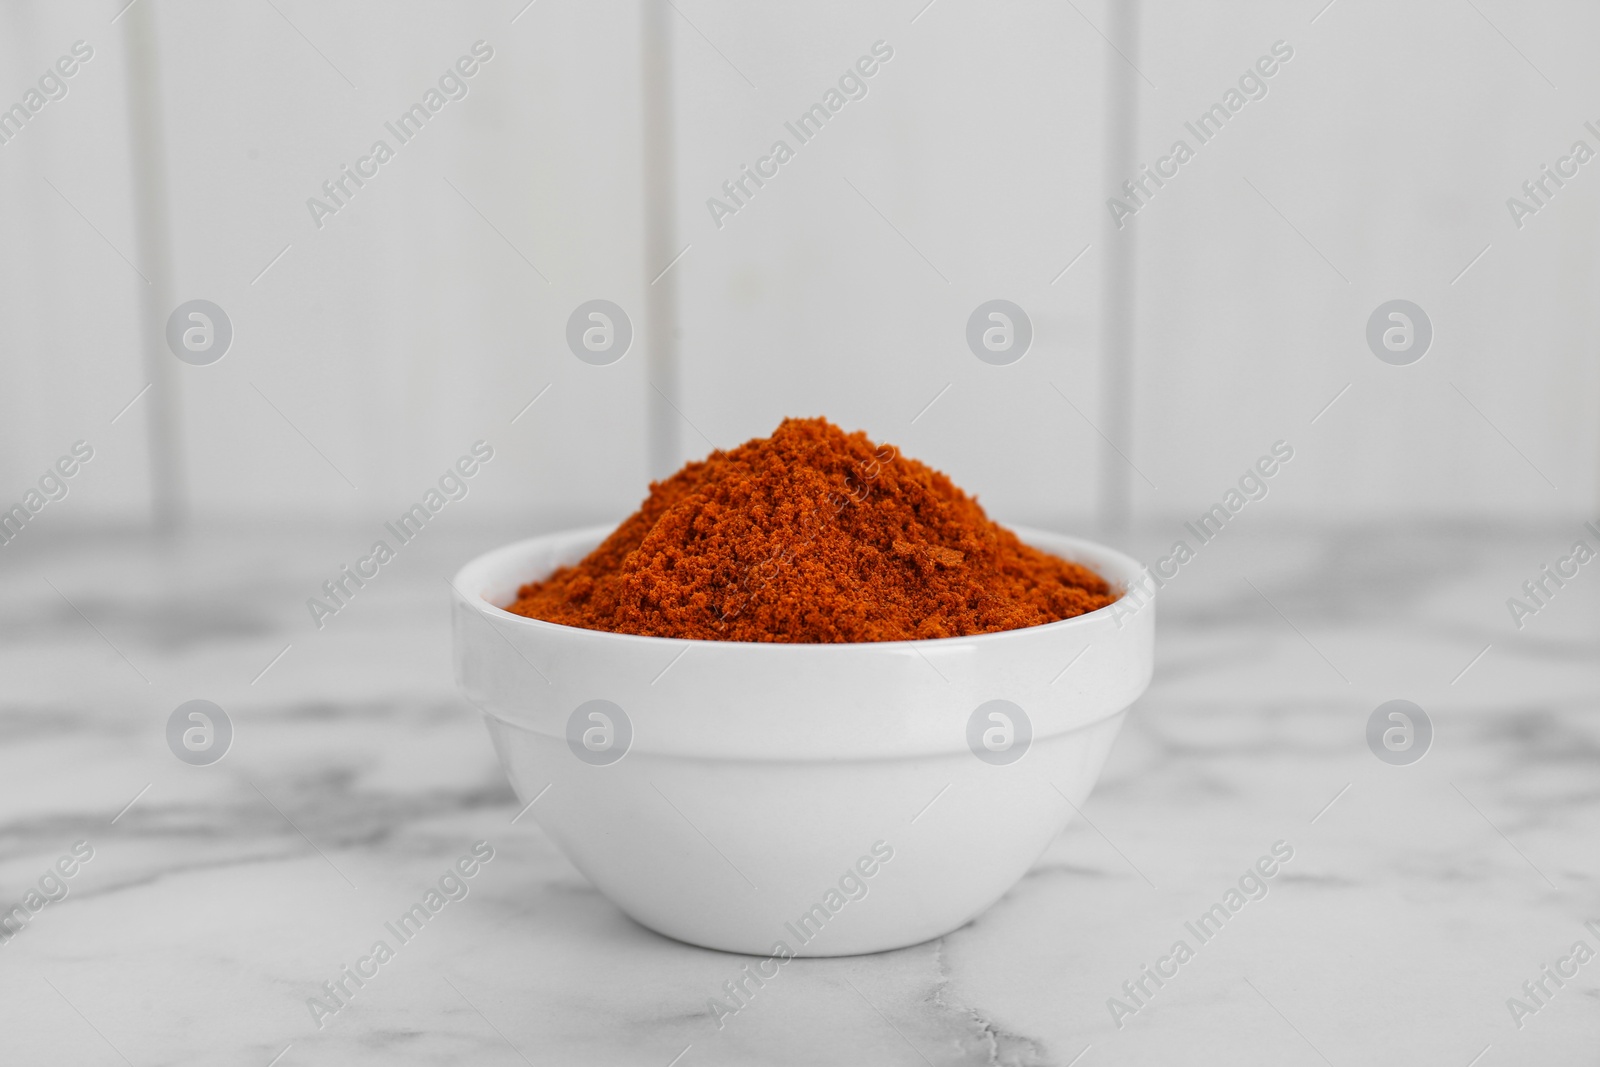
409 326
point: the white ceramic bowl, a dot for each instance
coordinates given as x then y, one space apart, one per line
822 797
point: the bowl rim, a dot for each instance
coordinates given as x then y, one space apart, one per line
1132 571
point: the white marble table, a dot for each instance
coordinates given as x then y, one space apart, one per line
215 905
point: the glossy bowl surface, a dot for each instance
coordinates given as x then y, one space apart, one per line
828 799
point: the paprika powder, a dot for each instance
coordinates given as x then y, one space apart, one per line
812 535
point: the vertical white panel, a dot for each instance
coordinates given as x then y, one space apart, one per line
69 276
1376 167
844 286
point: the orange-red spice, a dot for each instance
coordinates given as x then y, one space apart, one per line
812 535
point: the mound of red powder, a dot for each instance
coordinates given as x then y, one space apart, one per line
811 535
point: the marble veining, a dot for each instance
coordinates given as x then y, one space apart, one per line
1419 898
